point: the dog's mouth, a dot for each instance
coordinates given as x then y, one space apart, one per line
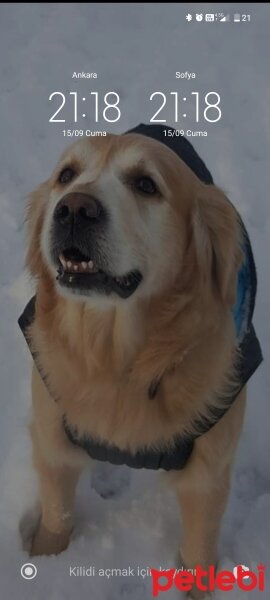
81 273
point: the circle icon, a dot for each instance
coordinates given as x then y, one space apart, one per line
199 17
28 571
244 568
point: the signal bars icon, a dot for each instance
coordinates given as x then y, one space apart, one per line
224 19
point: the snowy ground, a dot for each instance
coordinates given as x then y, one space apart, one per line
136 49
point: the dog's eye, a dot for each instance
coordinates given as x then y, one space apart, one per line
146 185
66 175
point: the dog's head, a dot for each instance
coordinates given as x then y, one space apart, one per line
123 217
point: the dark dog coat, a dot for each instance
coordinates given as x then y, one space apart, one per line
247 342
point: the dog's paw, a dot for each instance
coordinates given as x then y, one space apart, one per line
195 593
46 542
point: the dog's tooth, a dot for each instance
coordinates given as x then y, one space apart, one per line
84 265
62 260
69 264
75 267
90 264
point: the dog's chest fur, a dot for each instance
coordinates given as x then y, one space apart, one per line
99 367
94 372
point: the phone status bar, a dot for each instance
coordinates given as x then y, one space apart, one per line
218 18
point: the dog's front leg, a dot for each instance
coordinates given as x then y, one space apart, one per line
202 488
58 464
57 490
201 518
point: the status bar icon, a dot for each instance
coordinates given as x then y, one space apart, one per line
236 18
199 17
189 17
225 19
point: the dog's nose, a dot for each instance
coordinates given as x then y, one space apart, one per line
78 208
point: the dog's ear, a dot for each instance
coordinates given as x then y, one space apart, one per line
217 237
34 219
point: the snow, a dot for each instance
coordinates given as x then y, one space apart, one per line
124 517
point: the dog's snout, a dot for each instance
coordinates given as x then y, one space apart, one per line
80 208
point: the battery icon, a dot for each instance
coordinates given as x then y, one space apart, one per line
237 18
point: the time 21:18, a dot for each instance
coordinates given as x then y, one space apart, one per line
107 106
210 110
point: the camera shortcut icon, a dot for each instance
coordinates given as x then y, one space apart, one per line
28 571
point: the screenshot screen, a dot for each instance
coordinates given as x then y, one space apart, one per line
134 295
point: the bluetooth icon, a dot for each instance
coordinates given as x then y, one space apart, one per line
189 17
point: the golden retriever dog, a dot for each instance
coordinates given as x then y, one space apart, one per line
135 261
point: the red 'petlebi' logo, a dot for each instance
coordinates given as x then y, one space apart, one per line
208 580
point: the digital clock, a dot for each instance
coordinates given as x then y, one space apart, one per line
106 107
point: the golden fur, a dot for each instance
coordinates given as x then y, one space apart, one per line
100 361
